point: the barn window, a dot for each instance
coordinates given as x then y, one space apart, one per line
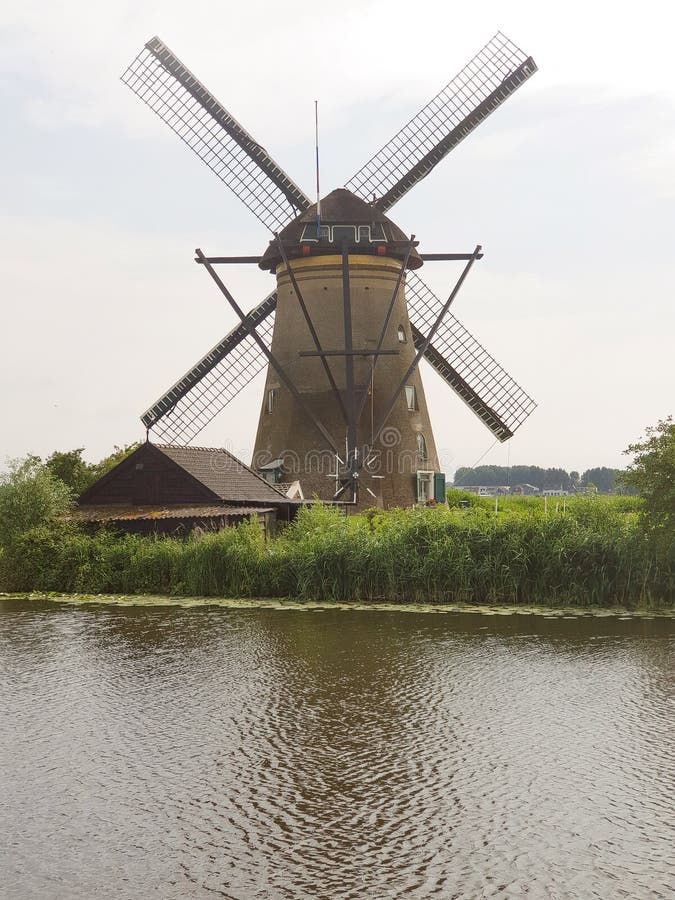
401 335
410 396
271 400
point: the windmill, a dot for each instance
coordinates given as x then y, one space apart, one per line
343 333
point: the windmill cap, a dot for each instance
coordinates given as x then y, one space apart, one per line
344 218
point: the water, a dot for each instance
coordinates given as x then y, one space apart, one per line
153 752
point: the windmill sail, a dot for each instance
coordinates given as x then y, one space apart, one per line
489 391
214 381
464 364
483 84
462 389
180 100
171 90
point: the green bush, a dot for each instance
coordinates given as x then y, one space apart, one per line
652 475
30 495
456 497
592 553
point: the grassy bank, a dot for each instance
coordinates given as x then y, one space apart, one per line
591 553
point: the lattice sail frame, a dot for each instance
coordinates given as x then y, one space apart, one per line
170 89
493 74
456 355
199 400
493 395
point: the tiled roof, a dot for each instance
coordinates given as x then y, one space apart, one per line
223 473
115 513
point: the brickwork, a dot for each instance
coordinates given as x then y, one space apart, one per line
285 432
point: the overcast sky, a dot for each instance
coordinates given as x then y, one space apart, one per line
569 187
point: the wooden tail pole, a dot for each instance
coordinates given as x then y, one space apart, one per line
266 352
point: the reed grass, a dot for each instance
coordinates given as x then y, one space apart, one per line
593 553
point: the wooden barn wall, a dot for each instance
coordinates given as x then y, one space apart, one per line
157 481
185 526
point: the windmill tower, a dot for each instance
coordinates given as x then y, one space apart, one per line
342 334
350 280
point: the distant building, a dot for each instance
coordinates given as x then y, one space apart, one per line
166 489
525 490
484 490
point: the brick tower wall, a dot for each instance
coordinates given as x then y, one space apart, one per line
287 433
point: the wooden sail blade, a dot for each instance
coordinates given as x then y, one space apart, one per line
185 409
450 375
496 71
461 360
170 89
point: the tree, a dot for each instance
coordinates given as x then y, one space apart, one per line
556 479
463 476
109 462
30 494
603 478
652 474
72 469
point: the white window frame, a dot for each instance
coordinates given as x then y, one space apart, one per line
270 400
410 397
425 477
402 338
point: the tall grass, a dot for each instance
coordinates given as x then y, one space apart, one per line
593 553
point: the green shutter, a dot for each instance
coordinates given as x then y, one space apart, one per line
439 487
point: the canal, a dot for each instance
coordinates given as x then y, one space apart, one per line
277 753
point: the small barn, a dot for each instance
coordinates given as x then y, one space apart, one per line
167 489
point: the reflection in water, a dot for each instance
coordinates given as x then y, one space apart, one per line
269 753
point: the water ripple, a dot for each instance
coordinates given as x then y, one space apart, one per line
288 754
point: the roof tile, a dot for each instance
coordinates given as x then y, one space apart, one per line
223 473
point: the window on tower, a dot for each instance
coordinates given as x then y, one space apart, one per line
425 487
353 234
271 400
410 396
421 446
344 233
401 335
